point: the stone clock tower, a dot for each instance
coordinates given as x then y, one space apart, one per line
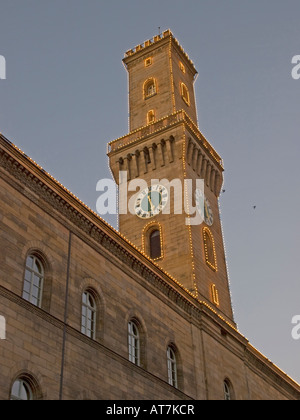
164 143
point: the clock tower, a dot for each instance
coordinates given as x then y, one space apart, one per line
166 150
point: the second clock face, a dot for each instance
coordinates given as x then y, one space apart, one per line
204 207
151 201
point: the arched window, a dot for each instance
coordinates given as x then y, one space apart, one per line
151 117
34 280
209 249
134 343
172 367
88 315
185 94
182 67
215 295
155 244
21 391
150 88
228 391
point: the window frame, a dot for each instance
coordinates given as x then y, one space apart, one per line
215 295
36 260
93 310
185 94
146 234
210 249
151 117
182 67
22 382
134 343
148 61
147 84
152 245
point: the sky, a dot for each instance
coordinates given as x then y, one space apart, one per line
65 97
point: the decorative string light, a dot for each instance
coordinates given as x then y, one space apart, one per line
189 225
172 76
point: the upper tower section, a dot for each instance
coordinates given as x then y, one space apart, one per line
161 81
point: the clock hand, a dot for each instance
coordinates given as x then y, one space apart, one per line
205 209
151 204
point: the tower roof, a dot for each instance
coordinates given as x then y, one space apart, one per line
152 43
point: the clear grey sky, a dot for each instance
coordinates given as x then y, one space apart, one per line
65 97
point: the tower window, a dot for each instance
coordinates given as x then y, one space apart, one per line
34 280
215 295
151 117
185 94
155 245
150 88
209 249
148 61
152 239
182 67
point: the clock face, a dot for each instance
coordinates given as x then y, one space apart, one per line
151 201
204 207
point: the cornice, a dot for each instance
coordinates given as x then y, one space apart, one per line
159 127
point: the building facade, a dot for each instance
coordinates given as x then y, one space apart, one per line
140 313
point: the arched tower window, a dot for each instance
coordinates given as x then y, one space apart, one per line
155 244
150 88
152 240
185 94
215 295
209 249
151 117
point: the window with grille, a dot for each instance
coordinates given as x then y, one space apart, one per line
150 88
